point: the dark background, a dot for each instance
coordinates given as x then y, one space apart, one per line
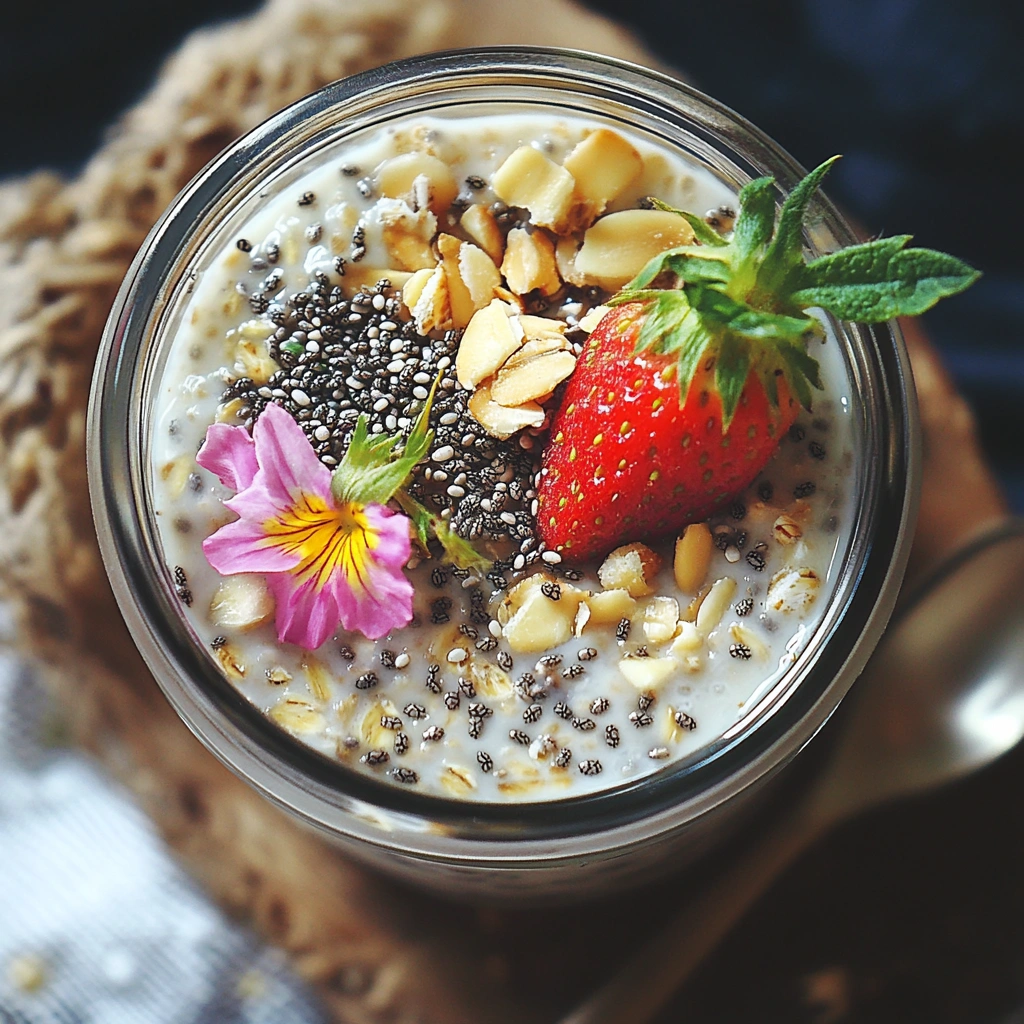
925 99
916 914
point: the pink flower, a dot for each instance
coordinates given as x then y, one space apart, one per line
327 563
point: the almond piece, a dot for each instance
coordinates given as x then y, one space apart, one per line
460 301
499 420
533 348
618 246
530 262
632 568
530 180
603 165
535 327
489 339
532 379
432 310
659 619
693 557
413 288
395 178
539 624
241 602
687 640
479 274
406 249
565 260
611 606
478 222
649 673
713 606
593 317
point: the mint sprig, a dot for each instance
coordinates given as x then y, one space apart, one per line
743 300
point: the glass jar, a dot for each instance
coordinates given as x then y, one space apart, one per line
569 847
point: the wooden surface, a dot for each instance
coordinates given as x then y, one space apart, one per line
375 951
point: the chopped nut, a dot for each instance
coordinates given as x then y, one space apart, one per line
787 530
618 246
603 165
714 606
478 222
687 640
489 339
610 607
693 557
565 260
593 317
529 262
459 299
297 716
539 624
432 310
479 273
632 568
542 328
241 602
530 180
659 619
499 420
406 233
413 288
792 590
583 614
396 176
649 673
247 347
532 379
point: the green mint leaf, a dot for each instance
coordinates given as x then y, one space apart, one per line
705 233
754 226
879 280
786 250
731 369
374 467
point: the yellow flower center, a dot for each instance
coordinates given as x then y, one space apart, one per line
324 538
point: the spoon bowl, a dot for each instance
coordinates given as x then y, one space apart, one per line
942 696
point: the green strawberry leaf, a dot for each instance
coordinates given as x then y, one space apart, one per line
705 233
718 309
754 226
876 281
786 250
691 262
662 321
731 370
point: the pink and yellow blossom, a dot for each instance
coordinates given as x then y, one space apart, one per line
328 563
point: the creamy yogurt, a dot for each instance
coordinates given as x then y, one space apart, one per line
446 704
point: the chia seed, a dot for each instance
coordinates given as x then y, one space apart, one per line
599 705
532 714
519 737
433 682
756 560
405 775
433 733
505 660
563 757
796 433
347 653
745 607
584 724
591 767
485 761
644 701
367 681
387 659
684 721
479 711
307 199
622 630
563 710
804 490
611 735
640 719
244 244
218 642
552 591
741 651
414 711
766 490
817 450
573 671
452 699
374 757
587 654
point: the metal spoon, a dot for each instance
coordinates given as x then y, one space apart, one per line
942 696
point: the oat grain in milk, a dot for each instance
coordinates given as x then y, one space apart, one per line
459 266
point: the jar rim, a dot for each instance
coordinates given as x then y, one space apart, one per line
333 797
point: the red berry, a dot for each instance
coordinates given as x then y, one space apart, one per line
626 462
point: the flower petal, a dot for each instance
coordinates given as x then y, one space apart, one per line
230 454
242 546
386 604
306 615
287 459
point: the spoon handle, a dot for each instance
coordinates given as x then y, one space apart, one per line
635 993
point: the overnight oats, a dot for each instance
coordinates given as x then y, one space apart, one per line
500 457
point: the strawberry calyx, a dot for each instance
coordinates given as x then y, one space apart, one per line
743 301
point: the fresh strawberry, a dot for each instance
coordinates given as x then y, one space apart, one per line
627 461
685 390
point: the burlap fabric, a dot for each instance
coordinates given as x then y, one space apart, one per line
375 953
